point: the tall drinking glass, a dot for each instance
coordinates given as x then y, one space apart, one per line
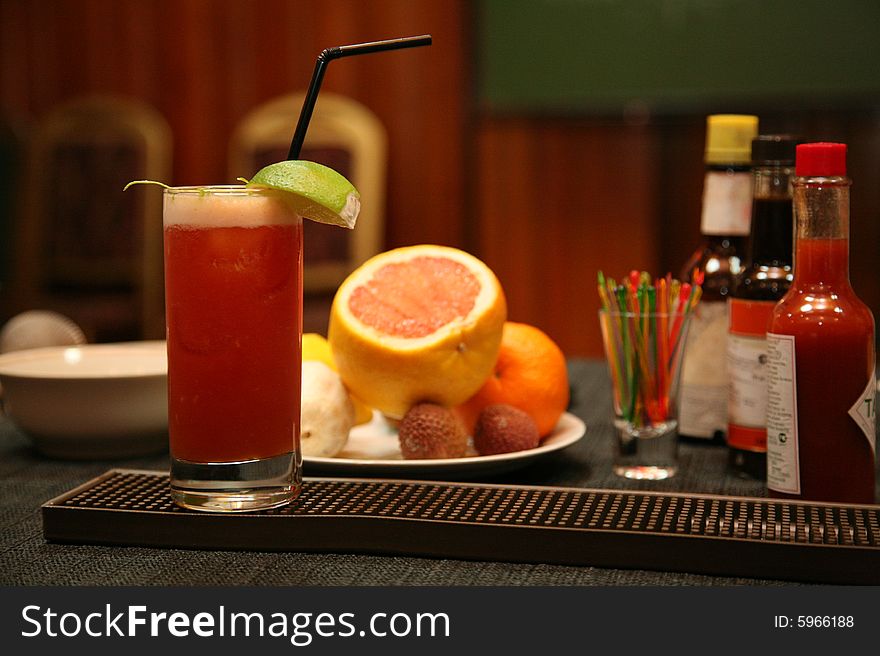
233 300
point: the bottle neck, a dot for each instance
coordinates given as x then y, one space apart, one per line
772 225
821 212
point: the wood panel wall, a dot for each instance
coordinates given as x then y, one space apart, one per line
205 63
558 200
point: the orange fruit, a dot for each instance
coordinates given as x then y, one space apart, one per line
530 374
417 324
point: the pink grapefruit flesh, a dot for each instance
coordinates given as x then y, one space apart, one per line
415 298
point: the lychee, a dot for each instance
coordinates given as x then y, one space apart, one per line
431 431
501 428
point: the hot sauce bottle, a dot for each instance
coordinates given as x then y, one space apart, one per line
727 204
820 355
766 276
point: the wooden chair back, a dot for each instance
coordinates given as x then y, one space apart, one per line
344 135
87 249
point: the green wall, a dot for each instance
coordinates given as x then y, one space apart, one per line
673 55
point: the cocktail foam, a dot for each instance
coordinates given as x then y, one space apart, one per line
225 206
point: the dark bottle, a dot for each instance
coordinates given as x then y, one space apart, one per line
766 276
727 201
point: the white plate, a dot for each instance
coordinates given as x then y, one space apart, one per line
373 449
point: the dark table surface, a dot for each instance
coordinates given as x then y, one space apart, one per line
28 479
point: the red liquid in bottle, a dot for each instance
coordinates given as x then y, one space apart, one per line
834 357
821 360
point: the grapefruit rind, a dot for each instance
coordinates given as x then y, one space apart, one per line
490 288
446 367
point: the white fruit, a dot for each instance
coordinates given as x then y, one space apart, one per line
327 411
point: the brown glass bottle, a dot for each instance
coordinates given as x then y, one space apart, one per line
766 276
727 199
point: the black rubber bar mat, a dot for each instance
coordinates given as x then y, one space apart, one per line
719 535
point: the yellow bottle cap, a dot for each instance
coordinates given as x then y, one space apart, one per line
729 138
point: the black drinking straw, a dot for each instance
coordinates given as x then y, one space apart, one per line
325 58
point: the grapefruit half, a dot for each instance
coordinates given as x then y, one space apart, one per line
417 324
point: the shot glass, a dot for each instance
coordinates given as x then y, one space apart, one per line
233 300
644 354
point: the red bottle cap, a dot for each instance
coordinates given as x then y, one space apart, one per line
821 160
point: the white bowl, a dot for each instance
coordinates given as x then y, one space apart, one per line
89 401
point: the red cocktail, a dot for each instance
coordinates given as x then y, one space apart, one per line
233 295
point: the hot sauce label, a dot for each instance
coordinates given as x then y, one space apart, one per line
747 368
864 413
783 464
